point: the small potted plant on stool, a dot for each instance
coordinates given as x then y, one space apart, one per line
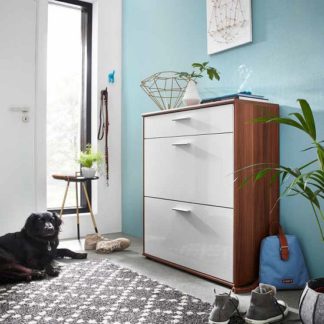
87 159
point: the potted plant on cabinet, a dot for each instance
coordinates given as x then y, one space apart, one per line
306 181
87 159
191 95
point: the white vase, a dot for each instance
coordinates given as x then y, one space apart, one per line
88 172
191 96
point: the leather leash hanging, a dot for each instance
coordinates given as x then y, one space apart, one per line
104 127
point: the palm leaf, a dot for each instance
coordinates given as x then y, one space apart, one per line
301 120
280 120
309 117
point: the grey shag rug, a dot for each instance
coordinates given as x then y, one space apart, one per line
98 292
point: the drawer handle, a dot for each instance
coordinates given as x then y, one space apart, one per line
181 118
183 210
181 144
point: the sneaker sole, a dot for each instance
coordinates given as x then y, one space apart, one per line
268 320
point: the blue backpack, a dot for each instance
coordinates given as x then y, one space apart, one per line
282 262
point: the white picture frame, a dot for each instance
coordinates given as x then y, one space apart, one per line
229 24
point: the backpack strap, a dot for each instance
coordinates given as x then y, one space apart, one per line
284 249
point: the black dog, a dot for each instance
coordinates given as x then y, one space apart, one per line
30 253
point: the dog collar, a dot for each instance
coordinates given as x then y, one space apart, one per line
49 248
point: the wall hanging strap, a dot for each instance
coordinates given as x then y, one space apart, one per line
284 249
104 126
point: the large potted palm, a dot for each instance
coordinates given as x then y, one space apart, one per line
308 179
308 182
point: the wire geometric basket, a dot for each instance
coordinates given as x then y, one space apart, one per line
166 89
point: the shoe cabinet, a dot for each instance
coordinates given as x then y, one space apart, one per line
197 217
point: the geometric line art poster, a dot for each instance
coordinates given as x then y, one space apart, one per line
229 24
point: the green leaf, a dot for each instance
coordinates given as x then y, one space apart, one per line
183 75
301 120
245 181
210 74
307 164
309 148
274 177
88 157
280 120
213 74
309 118
261 174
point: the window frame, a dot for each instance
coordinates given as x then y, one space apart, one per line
86 109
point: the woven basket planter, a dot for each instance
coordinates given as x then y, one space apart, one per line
311 305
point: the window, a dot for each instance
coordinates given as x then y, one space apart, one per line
68 96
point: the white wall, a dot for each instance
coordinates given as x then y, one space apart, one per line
24 186
109 58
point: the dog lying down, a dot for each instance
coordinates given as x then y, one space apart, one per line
29 254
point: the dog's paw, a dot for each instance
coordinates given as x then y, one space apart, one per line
57 265
52 272
81 256
38 274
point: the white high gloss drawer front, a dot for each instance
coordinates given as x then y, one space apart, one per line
217 119
194 236
196 169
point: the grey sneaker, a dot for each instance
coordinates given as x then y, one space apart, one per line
264 307
225 307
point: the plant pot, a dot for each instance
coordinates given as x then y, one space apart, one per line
191 96
88 172
311 304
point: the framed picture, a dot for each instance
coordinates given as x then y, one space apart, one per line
229 24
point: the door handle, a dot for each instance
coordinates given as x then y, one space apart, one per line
181 144
181 118
182 210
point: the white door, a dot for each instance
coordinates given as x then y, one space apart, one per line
17 89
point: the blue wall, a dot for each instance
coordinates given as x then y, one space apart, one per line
284 62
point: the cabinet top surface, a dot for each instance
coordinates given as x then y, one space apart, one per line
173 110
206 105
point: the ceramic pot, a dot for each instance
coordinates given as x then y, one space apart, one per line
88 172
191 96
311 304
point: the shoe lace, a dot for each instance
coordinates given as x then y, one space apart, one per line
115 245
279 306
236 318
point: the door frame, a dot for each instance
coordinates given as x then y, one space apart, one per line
40 105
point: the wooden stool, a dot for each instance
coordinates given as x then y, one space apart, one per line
81 180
